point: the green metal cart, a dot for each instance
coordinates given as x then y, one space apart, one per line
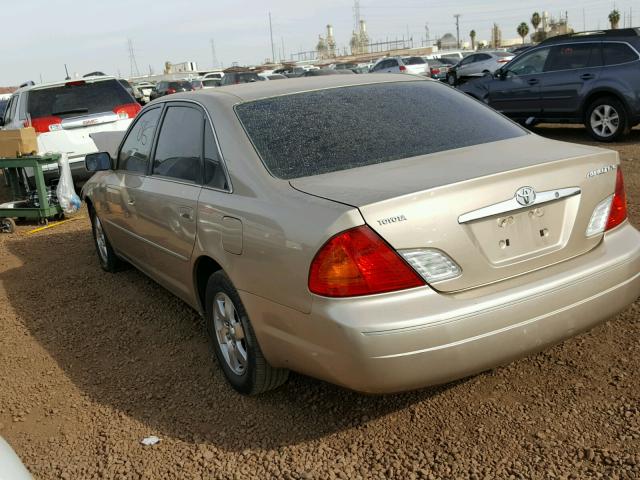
20 207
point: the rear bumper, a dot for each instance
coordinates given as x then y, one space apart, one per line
407 340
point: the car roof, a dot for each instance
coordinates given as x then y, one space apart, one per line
629 33
248 92
41 86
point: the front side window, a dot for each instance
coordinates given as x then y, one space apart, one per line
575 56
370 124
135 151
179 145
617 53
529 63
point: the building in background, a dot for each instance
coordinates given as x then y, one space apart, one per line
360 40
447 42
326 48
496 36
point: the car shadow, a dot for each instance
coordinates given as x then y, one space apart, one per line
130 345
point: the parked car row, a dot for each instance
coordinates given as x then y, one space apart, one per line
592 79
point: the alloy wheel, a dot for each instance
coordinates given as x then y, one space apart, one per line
101 240
605 120
230 333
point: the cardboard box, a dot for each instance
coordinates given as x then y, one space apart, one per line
18 143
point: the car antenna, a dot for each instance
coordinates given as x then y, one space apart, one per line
67 72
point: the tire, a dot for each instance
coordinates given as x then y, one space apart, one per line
232 337
108 259
452 79
607 120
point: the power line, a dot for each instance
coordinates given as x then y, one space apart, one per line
273 48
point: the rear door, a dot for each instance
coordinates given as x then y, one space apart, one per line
120 215
516 92
570 72
169 196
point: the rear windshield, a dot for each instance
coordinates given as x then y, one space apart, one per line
341 128
413 61
183 84
80 99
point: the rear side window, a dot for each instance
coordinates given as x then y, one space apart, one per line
616 53
179 145
134 154
366 124
77 98
571 57
214 175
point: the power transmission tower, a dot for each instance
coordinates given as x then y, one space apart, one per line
133 65
214 58
457 17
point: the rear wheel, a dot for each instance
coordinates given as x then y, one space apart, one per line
606 119
234 342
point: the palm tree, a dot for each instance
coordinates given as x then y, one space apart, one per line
472 35
523 30
535 20
614 18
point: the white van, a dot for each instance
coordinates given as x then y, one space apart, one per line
64 114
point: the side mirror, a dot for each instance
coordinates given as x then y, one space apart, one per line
98 162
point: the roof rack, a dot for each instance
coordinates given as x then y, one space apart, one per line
620 32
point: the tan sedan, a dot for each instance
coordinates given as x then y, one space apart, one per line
337 227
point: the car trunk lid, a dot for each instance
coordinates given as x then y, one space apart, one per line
464 202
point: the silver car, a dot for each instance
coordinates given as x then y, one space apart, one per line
332 226
478 64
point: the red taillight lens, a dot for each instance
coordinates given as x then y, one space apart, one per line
618 212
75 83
403 68
359 262
171 90
44 124
503 60
435 71
128 109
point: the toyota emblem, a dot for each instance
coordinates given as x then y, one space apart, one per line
525 196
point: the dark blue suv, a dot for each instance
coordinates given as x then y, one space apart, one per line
588 77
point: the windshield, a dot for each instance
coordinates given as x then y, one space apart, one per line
77 98
325 131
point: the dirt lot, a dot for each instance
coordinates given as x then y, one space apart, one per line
90 363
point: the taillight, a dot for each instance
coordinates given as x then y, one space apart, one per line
75 83
403 68
359 262
128 110
171 90
46 124
503 60
435 71
610 212
618 213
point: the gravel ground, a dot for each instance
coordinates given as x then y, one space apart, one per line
90 363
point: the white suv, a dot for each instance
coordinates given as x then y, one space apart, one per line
64 114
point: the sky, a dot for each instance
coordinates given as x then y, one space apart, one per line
40 36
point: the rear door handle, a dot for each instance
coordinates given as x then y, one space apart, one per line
587 76
533 81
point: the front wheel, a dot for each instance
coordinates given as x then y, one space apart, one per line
109 261
606 120
452 79
234 342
